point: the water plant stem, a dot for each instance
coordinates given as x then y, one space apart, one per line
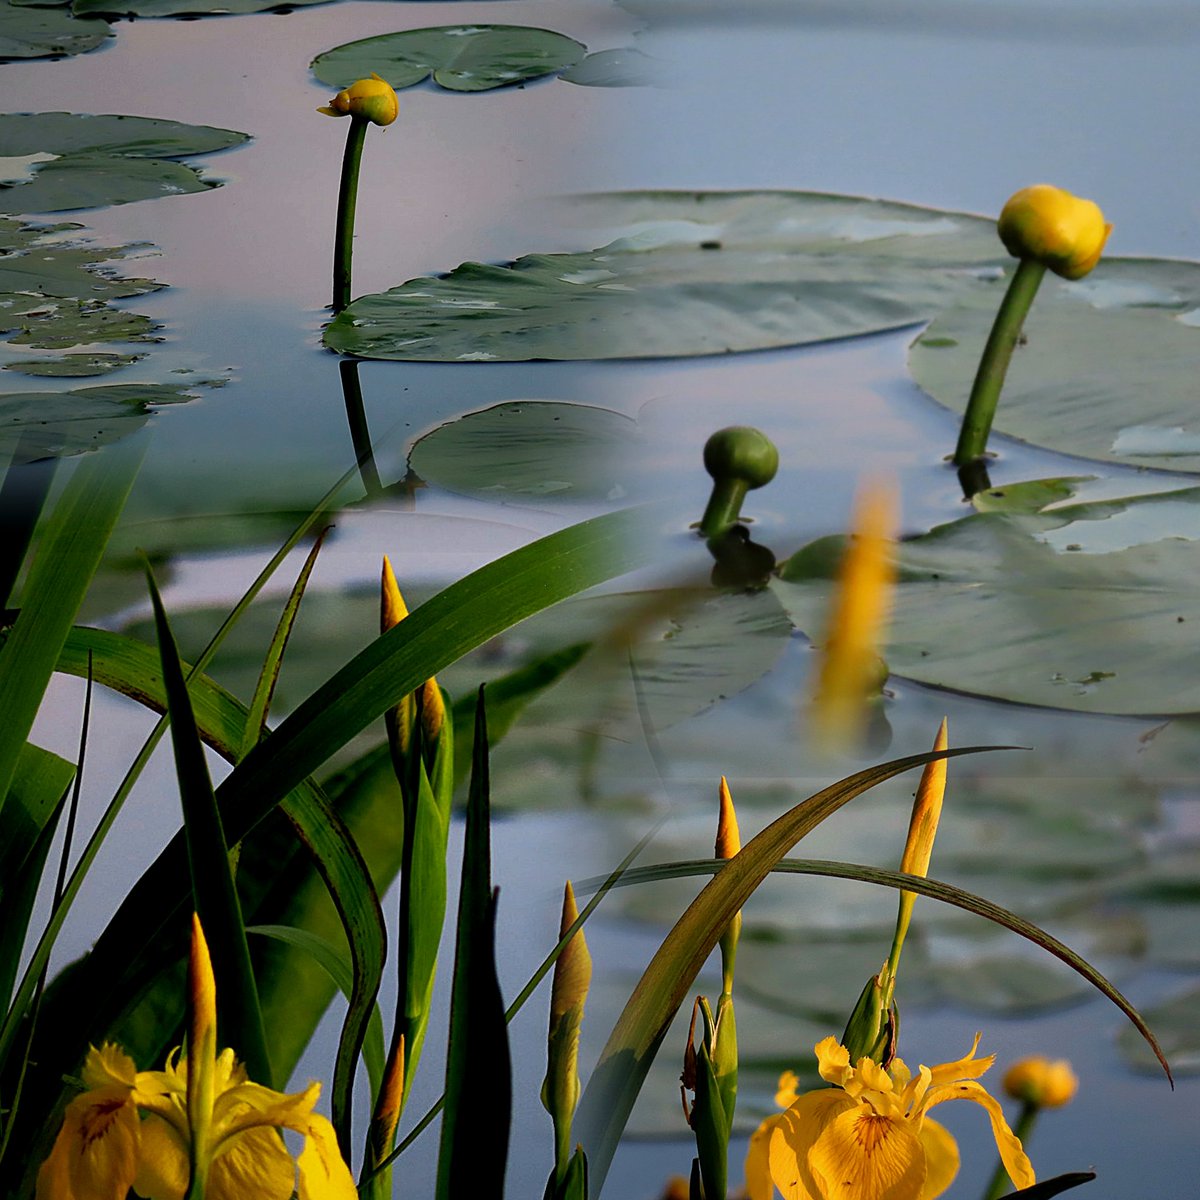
993 366
343 246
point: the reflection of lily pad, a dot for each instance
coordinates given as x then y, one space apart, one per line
527 449
1092 607
462 58
696 273
43 424
1107 366
102 160
47 32
175 8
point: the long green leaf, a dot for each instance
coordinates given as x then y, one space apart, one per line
946 892
63 566
626 1057
474 1145
214 890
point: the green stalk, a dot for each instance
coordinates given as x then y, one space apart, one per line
993 366
343 246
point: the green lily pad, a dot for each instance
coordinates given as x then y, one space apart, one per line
1030 496
624 67
73 366
103 160
1091 608
695 273
1106 368
47 33
55 424
461 58
177 8
528 449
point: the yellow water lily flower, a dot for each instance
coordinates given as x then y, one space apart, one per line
1049 225
869 1136
1041 1083
148 1130
371 99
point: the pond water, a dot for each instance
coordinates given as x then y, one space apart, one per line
1095 832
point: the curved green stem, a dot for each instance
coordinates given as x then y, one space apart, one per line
343 246
724 506
993 366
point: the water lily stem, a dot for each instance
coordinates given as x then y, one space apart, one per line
343 246
993 366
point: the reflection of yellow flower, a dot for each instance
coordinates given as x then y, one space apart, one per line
371 99
210 1112
1040 1082
1050 226
869 1138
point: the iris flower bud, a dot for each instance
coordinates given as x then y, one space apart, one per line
371 99
1050 226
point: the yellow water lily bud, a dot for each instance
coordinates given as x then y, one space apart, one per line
1040 1082
371 99
1063 232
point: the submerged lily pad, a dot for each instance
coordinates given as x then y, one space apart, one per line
461 58
623 67
73 366
533 448
55 424
695 273
1106 368
1178 1032
47 33
1091 608
94 161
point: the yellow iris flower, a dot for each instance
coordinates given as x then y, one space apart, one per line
142 1129
868 1137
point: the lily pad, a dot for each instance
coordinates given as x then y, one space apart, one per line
624 67
176 8
1106 368
73 366
695 273
55 424
47 33
1092 607
101 160
461 58
531 449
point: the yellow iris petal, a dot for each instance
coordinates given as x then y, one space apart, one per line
163 1165
793 1136
1015 1160
257 1164
96 1152
861 1155
323 1173
941 1158
758 1167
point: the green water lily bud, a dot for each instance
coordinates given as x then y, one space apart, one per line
739 459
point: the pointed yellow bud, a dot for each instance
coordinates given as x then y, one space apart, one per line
573 968
850 667
729 841
927 811
387 1108
371 100
1048 225
202 1045
392 609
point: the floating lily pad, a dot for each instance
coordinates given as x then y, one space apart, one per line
102 160
625 67
176 8
1106 369
1092 607
462 58
1030 496
527 449
695 273
55 424
47 33
73 366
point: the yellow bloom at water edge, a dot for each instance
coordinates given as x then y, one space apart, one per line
371 99
869 1136
142 1129
1042 1083
1050 226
